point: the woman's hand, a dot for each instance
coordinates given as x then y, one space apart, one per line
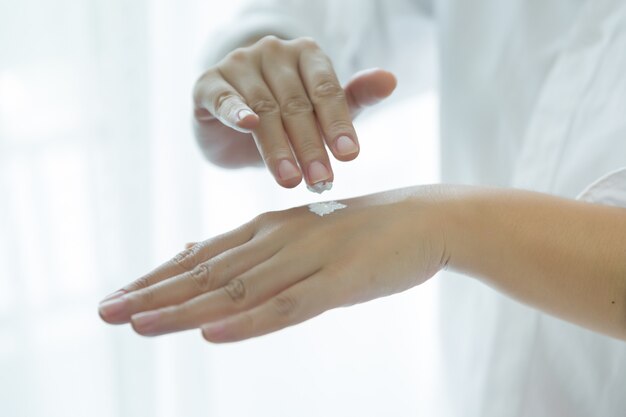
285 267
286 95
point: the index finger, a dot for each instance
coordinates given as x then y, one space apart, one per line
183 262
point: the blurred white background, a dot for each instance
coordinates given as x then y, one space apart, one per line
100 180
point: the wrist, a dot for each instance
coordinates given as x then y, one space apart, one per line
432 211
461 219
479 226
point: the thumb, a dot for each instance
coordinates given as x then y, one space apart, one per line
367 88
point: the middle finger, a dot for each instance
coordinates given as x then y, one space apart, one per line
205 277
299 120
238 294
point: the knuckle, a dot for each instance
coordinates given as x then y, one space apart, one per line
296 105
223 100
201 277
140 283
336 127
309 150
236 290
264 219
327 89
307 42
267 222
284 305
264 106
186 258
236 56
270 42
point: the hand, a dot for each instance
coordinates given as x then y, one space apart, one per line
286 96
285 267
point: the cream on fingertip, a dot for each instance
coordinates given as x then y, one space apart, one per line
320 187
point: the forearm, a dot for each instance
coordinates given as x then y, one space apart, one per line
564 257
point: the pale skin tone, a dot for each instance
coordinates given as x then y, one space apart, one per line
563 257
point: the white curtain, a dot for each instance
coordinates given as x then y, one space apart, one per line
100 180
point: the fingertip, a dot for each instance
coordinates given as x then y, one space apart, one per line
370 86
113 311
388 83
320 177
347 158
206 336
287 174
381 83
247 119
345 148
290 183
214 332
145 323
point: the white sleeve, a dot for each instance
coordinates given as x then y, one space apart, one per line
609 190
356 34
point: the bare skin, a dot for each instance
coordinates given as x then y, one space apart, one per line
279 102
564 257
220 277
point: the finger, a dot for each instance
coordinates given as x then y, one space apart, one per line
302 301
269 134
207 276
189 258
367 88
186 260
214 97
298 119
330 104
237 294
190 244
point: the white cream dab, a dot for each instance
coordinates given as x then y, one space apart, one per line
326 207
320 187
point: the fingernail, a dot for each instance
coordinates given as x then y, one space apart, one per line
113 295
214 330
244 113
287 170
113 308
318 172
345 146
145 322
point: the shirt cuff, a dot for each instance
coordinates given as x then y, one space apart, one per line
609 190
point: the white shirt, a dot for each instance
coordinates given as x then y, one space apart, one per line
533 96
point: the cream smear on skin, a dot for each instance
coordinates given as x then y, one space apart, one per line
325 207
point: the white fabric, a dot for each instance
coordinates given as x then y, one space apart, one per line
533 95
609 190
